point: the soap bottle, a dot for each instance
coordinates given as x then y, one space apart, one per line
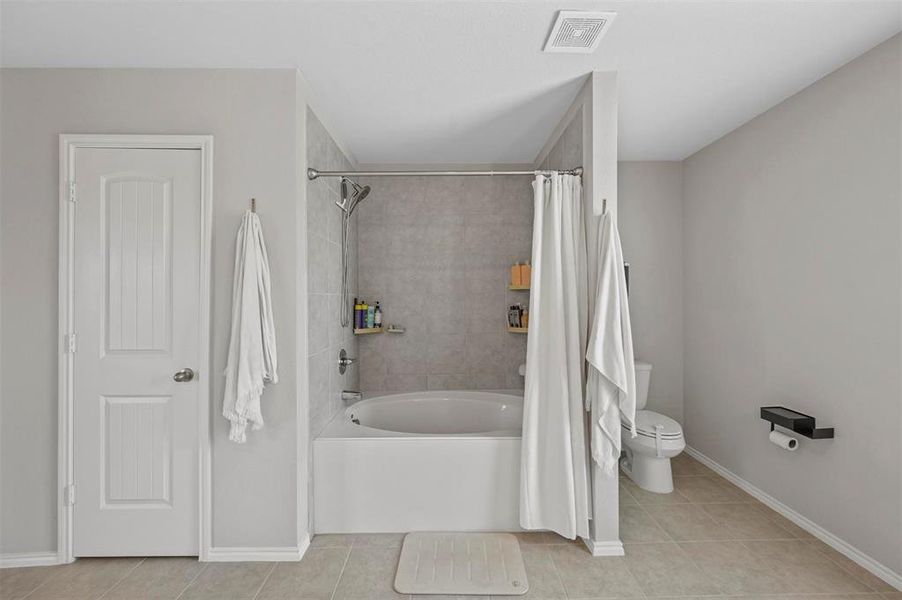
361 322
525 274
516 275
377 316
370 316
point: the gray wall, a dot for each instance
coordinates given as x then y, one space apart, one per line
792 296
251 114
651 230
326 336
436 252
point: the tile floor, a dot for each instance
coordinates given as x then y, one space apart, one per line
706 539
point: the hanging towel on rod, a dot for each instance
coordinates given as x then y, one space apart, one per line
611 376
252 347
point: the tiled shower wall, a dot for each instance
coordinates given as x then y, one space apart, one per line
326 336
436 251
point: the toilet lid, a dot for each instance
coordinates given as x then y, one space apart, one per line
647 420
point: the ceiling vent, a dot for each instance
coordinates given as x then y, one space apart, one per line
578 31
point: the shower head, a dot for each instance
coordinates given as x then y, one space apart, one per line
352 194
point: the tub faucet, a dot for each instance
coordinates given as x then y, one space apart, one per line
351 396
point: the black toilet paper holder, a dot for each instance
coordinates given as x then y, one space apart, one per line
795 421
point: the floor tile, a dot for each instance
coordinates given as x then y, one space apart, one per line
684 465
228 581
369 574
332 540
708 489
666 570
736 570
544 580
772 515
687 522
637 525
786 552
645 497
854 569
381 540
17 582
157 579
824 578
85 578
313 578
744 522
585 576
626 498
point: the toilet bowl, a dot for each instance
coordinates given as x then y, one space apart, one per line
646 457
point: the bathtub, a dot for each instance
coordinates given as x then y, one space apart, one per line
433 461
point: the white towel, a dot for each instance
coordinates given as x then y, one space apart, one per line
611 377
252 347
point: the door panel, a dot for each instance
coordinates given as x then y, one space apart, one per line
137 311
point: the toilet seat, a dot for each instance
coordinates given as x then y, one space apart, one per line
655 425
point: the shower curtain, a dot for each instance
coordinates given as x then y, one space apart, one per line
554 479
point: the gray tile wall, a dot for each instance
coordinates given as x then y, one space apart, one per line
437 253
326 336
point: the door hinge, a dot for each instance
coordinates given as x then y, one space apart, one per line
72 193
71 343
69 492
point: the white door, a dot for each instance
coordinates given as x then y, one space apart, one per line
137 278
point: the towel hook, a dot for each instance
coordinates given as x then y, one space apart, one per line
253 205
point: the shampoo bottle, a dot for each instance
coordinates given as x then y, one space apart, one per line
515 275
377 316
525 274
370 316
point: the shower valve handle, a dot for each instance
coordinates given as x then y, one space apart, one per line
344 361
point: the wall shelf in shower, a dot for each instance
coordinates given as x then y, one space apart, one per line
518 329
522 288
367 331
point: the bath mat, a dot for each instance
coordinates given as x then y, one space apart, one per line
461 564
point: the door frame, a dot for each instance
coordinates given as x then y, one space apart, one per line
68 144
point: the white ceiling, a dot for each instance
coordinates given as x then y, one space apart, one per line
457 82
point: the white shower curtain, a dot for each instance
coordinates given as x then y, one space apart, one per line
554 480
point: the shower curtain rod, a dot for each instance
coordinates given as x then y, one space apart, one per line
314 173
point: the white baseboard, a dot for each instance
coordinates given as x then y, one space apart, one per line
28 559
252 554
838 544
604 548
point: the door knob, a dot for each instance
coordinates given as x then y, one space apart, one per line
183 375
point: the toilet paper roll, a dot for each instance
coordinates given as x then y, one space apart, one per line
784 441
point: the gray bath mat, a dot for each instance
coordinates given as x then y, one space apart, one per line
461 564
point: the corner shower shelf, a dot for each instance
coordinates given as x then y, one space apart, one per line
518 287
368 330
518 329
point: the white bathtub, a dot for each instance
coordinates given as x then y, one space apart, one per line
439 461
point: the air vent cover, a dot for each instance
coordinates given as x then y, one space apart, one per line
578 31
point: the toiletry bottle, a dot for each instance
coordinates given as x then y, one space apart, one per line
516 275
377 316
524 318
525 274
370 316
361 317
356 312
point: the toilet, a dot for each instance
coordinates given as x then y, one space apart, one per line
646 457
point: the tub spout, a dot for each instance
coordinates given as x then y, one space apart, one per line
351 396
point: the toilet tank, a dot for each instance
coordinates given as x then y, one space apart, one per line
643 377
